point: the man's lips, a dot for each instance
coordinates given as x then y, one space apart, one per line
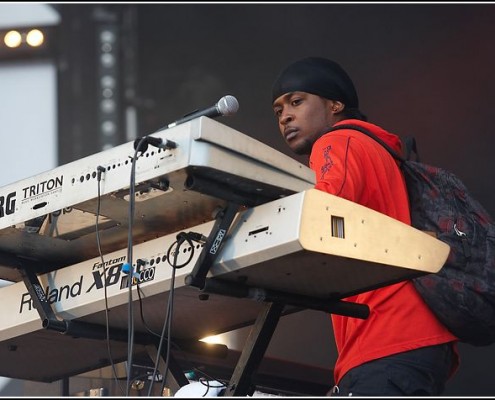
290 133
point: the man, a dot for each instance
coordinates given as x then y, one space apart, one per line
401 348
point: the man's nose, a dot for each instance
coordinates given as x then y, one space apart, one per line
286 117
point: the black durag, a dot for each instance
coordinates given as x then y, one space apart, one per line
318 76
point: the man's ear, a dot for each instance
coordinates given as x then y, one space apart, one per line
337 106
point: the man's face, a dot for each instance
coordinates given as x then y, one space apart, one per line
303 118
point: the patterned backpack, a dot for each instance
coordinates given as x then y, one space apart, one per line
462 293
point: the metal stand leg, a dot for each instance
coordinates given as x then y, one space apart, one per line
213 246
254 350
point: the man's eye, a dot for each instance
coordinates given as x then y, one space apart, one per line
277 112
295 102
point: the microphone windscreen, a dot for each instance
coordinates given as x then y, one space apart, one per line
228 105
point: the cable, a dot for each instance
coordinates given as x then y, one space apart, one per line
170 310
167 324
130 331
98 242
210 385
141 312
181 238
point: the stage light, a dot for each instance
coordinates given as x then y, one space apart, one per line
12 39
107 60
20 43
109 128
108 106
35 38
108 81
215 339
108 44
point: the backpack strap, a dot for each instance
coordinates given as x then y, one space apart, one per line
410 148
392 152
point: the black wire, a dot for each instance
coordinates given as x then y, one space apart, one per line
164 327
130 332
210 385
181 239
207 384
107 319
141 312
145 324
167 325
221 381
170 310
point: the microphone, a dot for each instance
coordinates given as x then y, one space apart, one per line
227 105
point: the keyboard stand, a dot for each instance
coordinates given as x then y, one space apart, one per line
262 331
240 383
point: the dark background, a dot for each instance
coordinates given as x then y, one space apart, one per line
421 70
425 70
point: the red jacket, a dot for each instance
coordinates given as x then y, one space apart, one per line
354 166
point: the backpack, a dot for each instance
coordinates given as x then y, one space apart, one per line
462 293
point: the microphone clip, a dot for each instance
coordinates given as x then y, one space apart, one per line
143 142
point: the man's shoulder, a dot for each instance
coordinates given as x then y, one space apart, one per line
389 138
